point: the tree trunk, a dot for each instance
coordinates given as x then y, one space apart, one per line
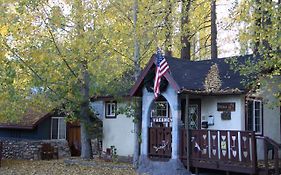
214 32
168 33
86 151
185 34
136 42
136 74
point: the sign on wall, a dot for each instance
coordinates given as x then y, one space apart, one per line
228 106
226 109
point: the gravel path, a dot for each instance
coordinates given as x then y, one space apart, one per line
58 167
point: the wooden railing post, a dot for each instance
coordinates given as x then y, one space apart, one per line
276 161
187 134
1 150
265 155
254 152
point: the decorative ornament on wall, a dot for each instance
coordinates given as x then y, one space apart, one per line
213 81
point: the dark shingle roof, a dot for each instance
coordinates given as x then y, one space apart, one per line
29 120
190 75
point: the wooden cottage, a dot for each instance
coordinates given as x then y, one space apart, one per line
206 118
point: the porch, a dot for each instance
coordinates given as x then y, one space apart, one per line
224 150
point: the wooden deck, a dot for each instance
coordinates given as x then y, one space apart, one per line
223 150
230 151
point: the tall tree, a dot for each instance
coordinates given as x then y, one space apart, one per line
137 120
262 18
169 28
214 32
185 34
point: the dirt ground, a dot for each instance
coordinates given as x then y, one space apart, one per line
58 167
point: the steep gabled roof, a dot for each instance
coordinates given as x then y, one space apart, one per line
189 76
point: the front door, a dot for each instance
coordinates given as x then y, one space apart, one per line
74 138
160 131
194 114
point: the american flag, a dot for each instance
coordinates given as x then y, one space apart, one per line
161 68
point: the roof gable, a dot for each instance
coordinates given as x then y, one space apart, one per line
136 89
189 76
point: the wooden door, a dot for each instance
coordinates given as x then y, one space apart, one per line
74 139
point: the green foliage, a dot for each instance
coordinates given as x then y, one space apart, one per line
131 110
260 33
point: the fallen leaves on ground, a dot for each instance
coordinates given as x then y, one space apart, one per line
58 167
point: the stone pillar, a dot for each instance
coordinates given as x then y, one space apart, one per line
173 99
147 100
176 113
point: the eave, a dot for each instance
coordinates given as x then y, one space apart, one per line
136 89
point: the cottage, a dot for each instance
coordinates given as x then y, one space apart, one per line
206 118
35 128
23 139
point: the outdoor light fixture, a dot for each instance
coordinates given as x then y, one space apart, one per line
211 120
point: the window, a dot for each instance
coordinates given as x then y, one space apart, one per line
58 128
254 115
160 115
110 109
161 109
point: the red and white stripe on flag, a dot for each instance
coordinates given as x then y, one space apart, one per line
161 68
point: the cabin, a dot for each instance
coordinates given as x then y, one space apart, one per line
37 126
205 118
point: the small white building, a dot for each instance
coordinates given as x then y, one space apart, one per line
118 129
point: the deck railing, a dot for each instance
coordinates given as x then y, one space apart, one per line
275 147
220 149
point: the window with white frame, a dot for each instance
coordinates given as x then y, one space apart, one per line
160 115
58 128
160 109
254 115
110 109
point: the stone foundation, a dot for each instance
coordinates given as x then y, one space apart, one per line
29 149
173 166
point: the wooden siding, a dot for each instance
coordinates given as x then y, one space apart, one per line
160 142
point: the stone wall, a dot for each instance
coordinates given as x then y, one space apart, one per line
29 149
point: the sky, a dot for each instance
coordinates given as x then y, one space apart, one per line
228 44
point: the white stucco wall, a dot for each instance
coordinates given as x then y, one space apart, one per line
209 107
117 131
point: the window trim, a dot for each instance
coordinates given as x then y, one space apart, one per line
58 128
254 99
167 108
105 109
168 115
